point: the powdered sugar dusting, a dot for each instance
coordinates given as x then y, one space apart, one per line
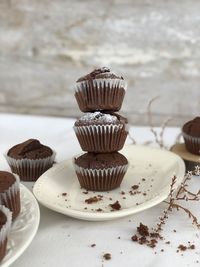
98 117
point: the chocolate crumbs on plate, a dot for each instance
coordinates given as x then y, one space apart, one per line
94 199
115 206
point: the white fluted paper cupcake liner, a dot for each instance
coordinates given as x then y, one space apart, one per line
100 180
192 143
101 138
30 169
99 83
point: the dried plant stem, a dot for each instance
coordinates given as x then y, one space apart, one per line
132 139
188 212
158 137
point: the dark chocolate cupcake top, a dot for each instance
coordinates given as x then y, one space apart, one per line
30 149
101 160
101 73
192 127
99 118
7 179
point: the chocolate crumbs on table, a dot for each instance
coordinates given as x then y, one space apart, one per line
93 245
143 230
182 247
107 256
64 194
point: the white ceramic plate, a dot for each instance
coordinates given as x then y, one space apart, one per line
24 227
150 168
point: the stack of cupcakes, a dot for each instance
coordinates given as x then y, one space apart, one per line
101 132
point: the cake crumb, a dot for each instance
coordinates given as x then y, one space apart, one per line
64 194
99 210
93 245
93 199
143 230
135 187
107 256
134 238
115 206
182 247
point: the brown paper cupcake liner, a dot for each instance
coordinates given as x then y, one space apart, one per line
30 169
11 198
100 180
192 143
101 138
100 94
5 231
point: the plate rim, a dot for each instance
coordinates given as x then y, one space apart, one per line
92 216
33 234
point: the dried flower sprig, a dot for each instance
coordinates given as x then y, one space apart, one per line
157 136
174 196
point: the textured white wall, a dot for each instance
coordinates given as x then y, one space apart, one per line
46 45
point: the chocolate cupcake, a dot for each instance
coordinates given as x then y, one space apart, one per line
5 225
100 171
30 159
100 132
10 192
100 90
191 135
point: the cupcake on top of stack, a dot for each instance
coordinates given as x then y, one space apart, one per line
100 90
101 132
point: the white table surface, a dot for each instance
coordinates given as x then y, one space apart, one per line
63 241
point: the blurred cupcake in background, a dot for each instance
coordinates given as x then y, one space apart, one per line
191 135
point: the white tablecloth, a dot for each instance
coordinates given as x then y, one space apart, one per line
63 241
